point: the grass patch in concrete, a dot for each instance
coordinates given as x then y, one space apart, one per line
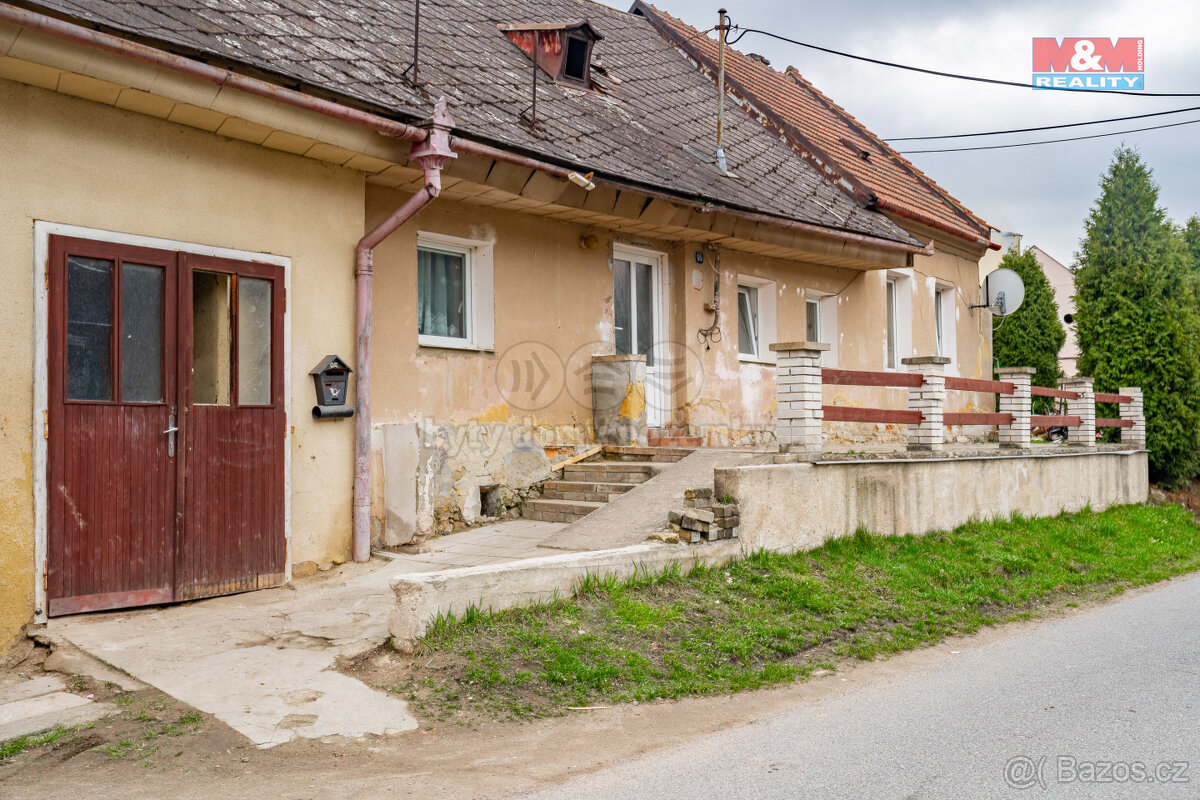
14 747
774 618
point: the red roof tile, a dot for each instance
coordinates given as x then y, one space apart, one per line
824 133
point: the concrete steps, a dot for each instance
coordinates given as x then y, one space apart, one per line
672 437
588 491
588 485
655 455
558 510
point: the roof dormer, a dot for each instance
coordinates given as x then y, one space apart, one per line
564 49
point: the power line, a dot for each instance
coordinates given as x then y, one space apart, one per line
922 70
1041 127
1051 141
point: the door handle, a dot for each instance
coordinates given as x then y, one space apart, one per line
170 432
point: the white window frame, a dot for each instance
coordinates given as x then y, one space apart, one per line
827 328
479 300
812 308
897 343
765 333
945 322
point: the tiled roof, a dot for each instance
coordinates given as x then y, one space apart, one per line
820 126
650 109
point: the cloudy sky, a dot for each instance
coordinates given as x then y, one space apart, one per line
1042 192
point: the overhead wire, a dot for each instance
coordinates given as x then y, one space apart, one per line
1049 141
1041 127
956 75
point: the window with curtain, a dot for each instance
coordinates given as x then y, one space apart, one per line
443 294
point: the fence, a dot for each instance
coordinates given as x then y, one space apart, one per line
799 379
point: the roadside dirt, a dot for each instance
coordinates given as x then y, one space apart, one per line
460 758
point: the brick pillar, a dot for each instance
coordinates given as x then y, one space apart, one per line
930 399
1084 408
1019 432
1135 411
798 396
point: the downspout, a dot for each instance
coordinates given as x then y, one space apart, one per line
431 155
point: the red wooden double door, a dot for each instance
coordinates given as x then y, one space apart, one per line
166 426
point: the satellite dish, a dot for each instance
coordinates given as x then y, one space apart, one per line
1003 292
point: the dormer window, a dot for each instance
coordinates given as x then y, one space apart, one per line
563 49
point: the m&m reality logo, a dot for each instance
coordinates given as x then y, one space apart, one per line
1089 63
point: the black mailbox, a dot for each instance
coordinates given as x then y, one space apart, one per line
330 377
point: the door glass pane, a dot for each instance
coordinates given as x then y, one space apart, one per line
622 319
89 328
644 311
211 351
441 294
254 342
747 329
141 333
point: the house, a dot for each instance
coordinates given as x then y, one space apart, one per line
1062 283
200 204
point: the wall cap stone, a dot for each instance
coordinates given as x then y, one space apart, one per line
778 346
1016 371
921 360
1078 381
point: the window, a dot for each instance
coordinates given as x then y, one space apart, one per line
891 324
898 299
756 302
748 342
937 322
454 293
576 67
943 318
812 321
443 294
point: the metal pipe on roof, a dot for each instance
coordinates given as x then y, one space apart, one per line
77 34
723 28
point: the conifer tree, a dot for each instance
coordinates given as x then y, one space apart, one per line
1137 320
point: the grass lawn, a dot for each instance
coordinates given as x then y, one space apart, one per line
774 618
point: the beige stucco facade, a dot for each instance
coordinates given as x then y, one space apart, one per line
104 145
74 162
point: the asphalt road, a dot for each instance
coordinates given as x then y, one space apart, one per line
1103 704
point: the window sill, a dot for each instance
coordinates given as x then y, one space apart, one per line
745 359
451 344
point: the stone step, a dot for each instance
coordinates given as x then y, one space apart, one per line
675 441
588 491
557 510
655 454
611 471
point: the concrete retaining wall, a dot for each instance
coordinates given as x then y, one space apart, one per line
422 597
789 507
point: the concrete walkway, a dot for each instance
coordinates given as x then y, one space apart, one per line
633 516
262 662
42 704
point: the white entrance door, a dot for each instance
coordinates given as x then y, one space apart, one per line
638 302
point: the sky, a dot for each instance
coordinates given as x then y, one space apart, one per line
1043 192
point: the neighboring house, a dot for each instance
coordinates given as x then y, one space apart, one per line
1062 282
202 203
931 301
